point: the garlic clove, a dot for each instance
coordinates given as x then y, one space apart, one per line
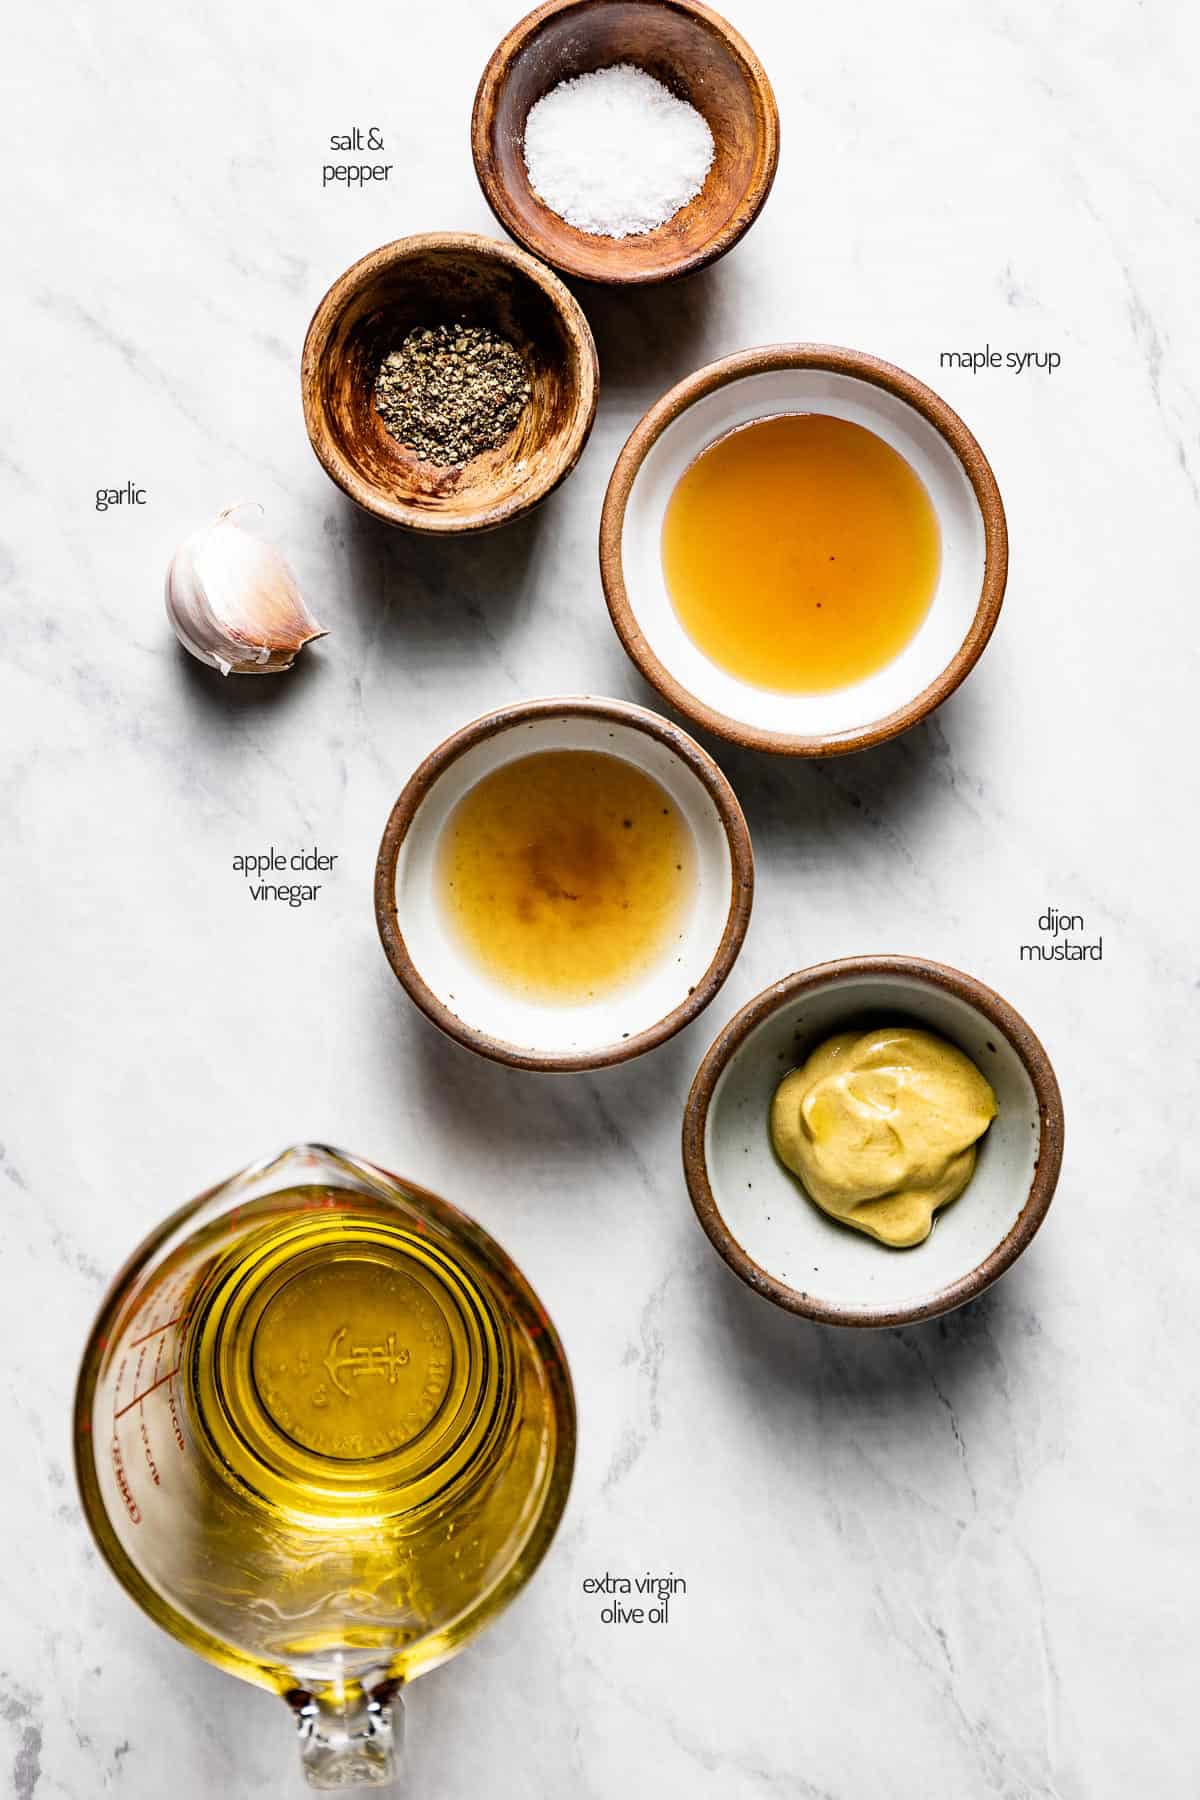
234 603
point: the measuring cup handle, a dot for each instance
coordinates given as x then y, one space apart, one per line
349 1737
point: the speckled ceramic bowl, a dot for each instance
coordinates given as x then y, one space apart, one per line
757 1214
446 981
932 439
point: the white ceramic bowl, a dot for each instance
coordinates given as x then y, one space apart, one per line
459 996
756 1212
846 384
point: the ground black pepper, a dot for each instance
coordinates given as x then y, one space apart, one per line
451 391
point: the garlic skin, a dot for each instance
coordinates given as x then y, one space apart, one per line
234 603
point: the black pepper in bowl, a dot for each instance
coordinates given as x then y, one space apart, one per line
450 392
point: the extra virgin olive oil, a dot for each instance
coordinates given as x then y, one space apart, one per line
566 873
333 1435
801 552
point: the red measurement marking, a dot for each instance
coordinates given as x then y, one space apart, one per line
145 1395
131 1505
149 1454
175 1426
133 1342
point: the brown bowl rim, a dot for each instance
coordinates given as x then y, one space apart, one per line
421 782
999 1013
494 192
316 339
863 366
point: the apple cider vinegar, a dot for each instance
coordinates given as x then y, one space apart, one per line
566 872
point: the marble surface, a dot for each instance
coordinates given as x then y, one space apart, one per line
951 1561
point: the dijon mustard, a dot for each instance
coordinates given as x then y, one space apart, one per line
881 1127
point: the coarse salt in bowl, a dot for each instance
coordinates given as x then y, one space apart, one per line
678 50
615 153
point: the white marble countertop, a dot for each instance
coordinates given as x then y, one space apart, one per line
958 1560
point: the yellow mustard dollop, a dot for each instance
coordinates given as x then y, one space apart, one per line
881 1128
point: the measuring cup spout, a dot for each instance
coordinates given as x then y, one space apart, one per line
349 1737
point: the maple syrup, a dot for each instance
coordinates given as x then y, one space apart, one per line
801 552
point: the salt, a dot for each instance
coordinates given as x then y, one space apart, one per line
615 153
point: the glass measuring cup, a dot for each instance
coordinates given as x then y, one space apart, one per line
324 1431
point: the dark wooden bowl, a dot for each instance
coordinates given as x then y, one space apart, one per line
691 50
445 277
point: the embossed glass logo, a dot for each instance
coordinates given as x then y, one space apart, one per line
384 1360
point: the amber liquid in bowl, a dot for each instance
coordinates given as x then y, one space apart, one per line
801 552
566 873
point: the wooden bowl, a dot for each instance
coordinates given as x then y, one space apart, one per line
526 1032
435 278
756 1212
920 427
692 51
